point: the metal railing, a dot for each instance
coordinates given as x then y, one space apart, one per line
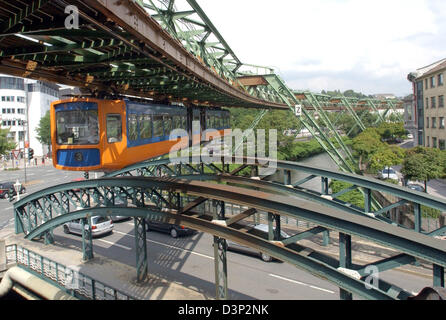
73 282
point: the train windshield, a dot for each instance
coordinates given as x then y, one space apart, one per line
77 127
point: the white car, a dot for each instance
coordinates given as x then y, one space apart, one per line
410 136
99 226
388 173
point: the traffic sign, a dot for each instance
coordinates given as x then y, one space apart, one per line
16 153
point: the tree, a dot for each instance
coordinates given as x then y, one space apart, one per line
44 130
423 164
366 143
6 144
386 156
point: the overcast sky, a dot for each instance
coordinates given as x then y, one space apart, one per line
366 45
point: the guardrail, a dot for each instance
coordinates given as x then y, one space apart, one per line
73 282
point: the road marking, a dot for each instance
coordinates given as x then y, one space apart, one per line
169 246
301 283
115 244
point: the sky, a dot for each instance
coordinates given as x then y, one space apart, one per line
369 46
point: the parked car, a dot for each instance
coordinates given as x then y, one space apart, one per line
99 226
415 187
410 136
388 173
174 230
259 230
119 203
7 189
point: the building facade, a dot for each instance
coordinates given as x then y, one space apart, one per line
429 100
23 103
409 115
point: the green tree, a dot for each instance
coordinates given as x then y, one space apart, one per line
43 130
423 164
6 144
386 156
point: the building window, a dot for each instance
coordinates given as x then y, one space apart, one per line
433 102
432 82
440 79
428 141
427 103
441 144
440 101
434 142
427 122
441 122
434 122
425 84
21 99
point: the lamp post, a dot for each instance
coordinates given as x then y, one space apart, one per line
17 187
25 131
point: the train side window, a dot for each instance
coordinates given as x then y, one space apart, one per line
167 125
145 125
157 126
133 127
114 128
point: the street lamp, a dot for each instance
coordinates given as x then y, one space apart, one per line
17 187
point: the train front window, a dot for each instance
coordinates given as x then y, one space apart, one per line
77 127
114 128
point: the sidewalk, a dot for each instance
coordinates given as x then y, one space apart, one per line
19 164
107 271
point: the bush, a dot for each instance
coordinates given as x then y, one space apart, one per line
355 197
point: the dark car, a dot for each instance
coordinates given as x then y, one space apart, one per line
415 187
7 189
172 229
260 230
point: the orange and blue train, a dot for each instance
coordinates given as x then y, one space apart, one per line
104 135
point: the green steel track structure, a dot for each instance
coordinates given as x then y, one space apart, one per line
162 50
203 195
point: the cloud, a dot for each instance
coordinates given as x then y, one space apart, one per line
381 40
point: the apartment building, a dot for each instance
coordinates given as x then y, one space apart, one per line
429 99
23 102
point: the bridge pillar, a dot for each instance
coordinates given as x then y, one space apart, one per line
438 276
324 191
141 249
345 260
87 239
417 216
220 262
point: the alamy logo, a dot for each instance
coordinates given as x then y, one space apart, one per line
72 20
230 146
372 280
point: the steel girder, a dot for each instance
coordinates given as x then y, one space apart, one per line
409 242
120 46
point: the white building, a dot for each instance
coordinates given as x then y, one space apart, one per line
23 103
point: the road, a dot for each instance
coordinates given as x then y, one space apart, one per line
189 261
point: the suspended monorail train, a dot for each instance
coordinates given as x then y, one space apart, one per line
105 135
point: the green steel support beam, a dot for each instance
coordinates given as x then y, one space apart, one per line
303 235
417 216
387 264
248 132
345 260
87 239
141 249
29 10
220 259
438 272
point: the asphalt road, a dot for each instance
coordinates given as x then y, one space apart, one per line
189 260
